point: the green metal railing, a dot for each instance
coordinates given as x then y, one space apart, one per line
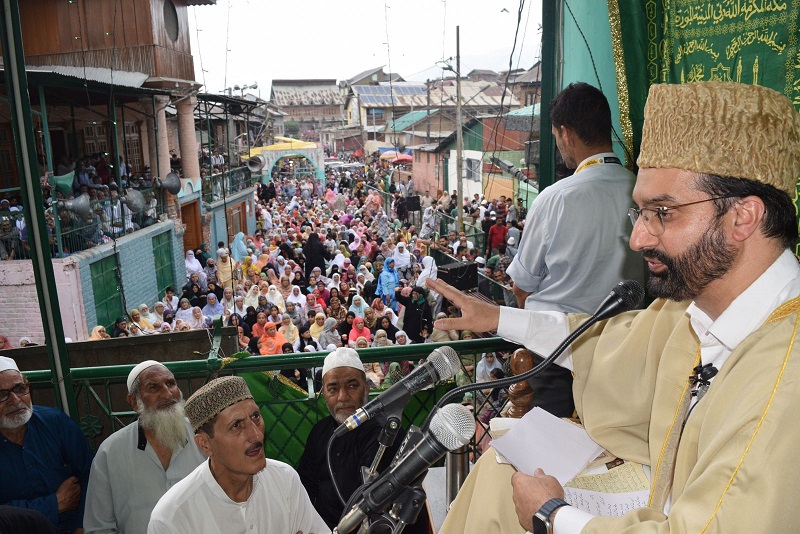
289 411
232 181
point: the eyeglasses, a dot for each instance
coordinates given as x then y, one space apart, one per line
20 390
653 218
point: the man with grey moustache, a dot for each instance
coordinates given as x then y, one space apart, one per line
44 458
136 465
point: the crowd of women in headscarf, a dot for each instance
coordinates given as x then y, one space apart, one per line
324 269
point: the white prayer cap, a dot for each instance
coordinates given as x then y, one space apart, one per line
7 364
512 241
342 357
480 260
136 371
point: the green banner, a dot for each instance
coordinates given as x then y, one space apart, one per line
683 41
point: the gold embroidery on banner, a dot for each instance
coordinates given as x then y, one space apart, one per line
623 96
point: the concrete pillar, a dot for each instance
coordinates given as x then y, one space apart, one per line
162 169
187 138
163 139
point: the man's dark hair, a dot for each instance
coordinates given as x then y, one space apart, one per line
584 109
780 219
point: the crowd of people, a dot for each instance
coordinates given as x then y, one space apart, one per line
328 266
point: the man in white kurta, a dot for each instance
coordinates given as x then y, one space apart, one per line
128 477
278 505
237 490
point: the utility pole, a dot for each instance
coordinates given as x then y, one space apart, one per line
428 121
459 135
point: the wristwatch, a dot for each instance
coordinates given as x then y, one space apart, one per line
541 519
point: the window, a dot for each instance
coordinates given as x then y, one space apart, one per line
162 252
473 170
171 20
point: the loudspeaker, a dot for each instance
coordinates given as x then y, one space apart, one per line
134 200
256 163
460 275
412 203
63 183
80 205
172 183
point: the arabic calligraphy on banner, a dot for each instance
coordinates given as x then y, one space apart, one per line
747 41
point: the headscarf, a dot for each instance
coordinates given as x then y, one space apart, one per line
252 317
338 260
271 344
213 307
402 257
381 339
159 316
429 270
290 332
329 334
336 279
196 323
316 329
238 248
393 376
96 336
484 368
357 332
401 333
358 306
274 297
388 312
183 315
192 264
297 298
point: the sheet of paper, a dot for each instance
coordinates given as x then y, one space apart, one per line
628 477
543 440
608 504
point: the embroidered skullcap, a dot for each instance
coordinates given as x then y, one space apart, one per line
7 364
342 357
136 371
723 128
208 401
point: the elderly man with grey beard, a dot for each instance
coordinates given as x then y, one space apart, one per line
44 458
136 465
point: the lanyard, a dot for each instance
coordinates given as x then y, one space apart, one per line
597 161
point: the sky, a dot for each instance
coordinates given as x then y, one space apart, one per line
337 39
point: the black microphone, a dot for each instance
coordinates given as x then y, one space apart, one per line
625 296
451 427
443 363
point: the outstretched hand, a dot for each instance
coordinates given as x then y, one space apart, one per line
476 315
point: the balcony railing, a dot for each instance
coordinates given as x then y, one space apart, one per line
104 221
288 410
232 181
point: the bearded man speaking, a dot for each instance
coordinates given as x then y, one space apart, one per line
136 465
702 385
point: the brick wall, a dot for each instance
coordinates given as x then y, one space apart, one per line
19 303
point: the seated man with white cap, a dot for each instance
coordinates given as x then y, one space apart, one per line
237 489
137 464
345 388
44 458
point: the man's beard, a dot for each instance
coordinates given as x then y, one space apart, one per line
339 414
15 421
687 275
167 425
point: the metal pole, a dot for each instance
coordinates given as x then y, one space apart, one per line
456 471
48 149
30 188
112 121
459 136
549 85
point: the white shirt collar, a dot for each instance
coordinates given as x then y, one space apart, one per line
779 283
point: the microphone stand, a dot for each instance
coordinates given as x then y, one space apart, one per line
503 382
385 440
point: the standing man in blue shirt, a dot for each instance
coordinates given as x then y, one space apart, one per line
44 458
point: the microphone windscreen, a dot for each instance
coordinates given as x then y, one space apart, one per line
446 362
631 293
453 426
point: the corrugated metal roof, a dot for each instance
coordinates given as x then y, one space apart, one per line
525 119
306 94
96 74
409 119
